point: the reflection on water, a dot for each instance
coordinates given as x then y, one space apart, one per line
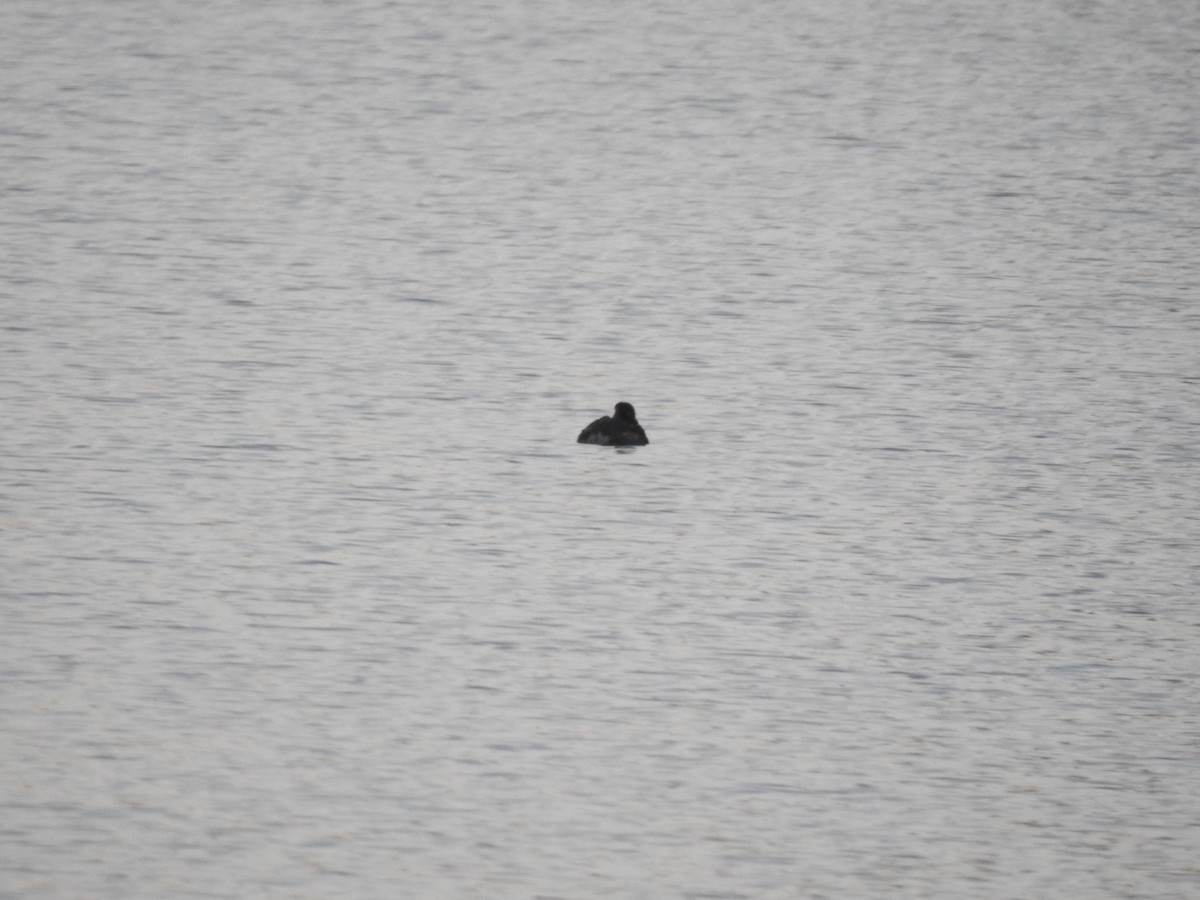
309 591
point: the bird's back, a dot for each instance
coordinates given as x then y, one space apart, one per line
613 433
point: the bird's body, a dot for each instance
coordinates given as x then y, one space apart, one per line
621 429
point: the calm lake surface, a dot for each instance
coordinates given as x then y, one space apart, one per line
307 591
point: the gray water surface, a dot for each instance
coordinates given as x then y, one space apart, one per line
307 591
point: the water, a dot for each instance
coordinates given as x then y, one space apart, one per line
308 592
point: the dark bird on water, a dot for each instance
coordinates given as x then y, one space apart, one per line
621 429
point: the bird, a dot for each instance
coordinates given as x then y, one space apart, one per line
621 429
